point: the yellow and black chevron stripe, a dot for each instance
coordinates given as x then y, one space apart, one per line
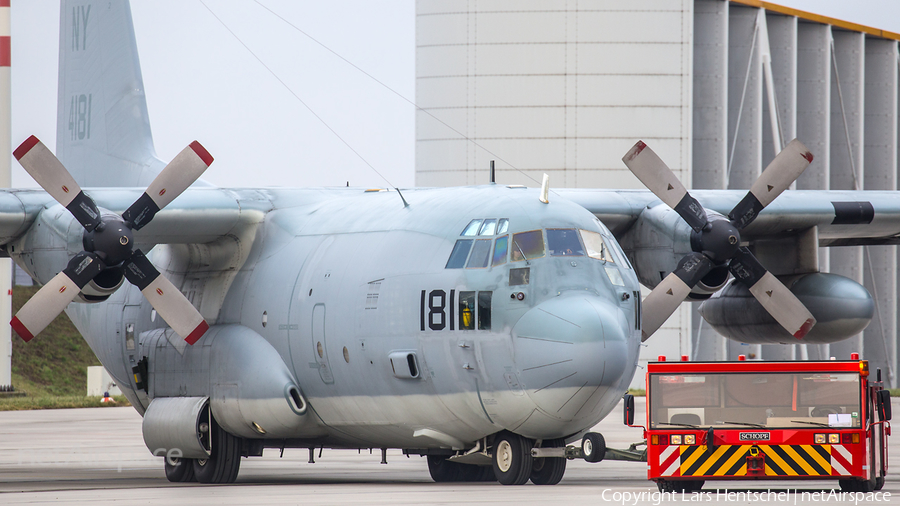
797 460
725 460
780 460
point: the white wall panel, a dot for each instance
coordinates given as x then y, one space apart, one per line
509 59
631 90
612 58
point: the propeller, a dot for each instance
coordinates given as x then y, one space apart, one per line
109 242
717 242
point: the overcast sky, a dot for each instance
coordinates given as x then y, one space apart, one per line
201 83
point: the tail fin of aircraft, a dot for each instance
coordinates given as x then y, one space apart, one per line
102 128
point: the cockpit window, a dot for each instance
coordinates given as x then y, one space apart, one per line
527 246
596 246
481 253
489 227
563 242
503 226
500 249
459 254
472 228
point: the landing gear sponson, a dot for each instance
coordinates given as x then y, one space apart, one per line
510 459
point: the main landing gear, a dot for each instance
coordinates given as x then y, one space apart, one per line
222 466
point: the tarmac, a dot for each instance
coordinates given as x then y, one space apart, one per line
97 456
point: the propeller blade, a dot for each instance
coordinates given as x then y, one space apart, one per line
668 295
53 177
180 173
53 298
659 178
778 176
168 301
775 298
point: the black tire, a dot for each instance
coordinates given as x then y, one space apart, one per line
852 485
179 470
679 486
593 446
549 470
442 470
512 458
486 474
225 460
446 471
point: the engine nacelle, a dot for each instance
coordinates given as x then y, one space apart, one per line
101 287
842 308
656 242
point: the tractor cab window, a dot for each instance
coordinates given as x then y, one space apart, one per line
774 399
563 242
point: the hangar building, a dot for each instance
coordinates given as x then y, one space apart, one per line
566 87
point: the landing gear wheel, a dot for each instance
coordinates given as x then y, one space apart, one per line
549 470
179 470
447 471
512 458
442 470
225 461
593 447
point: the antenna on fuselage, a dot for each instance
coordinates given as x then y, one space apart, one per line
545 189
405 203
493 180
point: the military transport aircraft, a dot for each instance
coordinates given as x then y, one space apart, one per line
483 327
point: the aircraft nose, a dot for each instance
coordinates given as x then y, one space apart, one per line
569 350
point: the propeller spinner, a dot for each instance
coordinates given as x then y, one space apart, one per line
109 243
717 242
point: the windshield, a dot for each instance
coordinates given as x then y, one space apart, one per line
755 400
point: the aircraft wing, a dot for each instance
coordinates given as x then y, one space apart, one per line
843 218
198 216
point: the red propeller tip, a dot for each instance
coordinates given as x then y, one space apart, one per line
805 328
636 150
198 332
20 329
808 156
202 153
25 147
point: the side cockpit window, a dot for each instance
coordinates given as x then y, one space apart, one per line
563 242
596 246
481 250
459 254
